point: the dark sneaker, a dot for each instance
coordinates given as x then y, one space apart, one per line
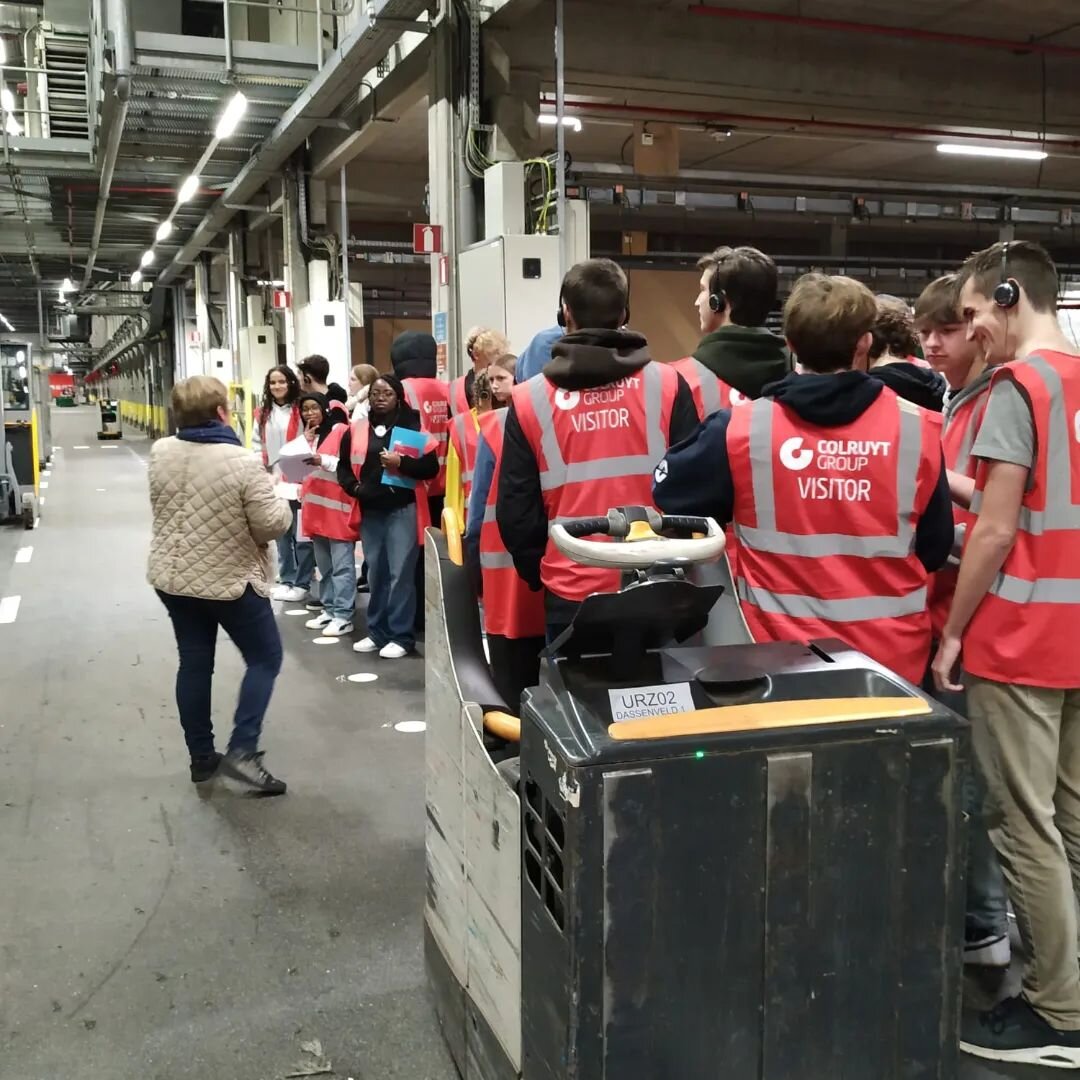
314 605
248 769
987 950
204 767
1013 1031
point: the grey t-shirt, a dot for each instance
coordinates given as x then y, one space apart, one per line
1007 432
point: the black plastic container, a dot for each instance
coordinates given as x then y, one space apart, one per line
777 904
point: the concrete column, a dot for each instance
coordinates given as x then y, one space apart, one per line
295 272
198 358
451 201
837 240
234 304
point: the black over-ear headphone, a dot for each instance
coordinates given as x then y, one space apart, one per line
1007 291
717 296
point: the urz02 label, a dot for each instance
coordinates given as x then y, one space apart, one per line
635 702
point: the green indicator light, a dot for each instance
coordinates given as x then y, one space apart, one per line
699 754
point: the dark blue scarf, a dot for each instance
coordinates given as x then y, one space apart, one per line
212 431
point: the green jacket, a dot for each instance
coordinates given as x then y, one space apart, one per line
747 358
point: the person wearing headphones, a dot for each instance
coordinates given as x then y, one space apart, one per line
584 436
738 356
835 486
1014 615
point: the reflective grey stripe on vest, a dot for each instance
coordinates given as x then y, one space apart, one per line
767 537
330 504
710 389
1043 591
489 515
855 609
324 474
496 560
1060 513
558 472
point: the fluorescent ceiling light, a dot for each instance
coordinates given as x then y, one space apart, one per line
188 189
164 230
991 151
230 118
67 285
147 258
3 319
136 277
551 120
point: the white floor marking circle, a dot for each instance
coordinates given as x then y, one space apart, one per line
363 676
99 489
298 611
325 640
41 501
410 727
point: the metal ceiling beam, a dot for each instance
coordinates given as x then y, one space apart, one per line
361 48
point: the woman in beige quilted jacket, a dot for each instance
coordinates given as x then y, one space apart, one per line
214 515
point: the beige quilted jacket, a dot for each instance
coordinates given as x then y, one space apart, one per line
215 513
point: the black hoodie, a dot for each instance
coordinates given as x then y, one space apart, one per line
696 478
581 360
745 357
919 385
414 356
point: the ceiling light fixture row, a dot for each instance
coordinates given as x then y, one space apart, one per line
226 126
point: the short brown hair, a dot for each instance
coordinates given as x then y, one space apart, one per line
508 362
937 304
825 317
197 400
748 280
1025 262
893 329
315 367
597 293
365 374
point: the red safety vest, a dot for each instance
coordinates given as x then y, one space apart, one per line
358 455
711 393
291 431
463 435
511 608
459 399
960 426
1023 631
327 511
430 398
595 449
825 518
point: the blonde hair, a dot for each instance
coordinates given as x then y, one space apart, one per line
489 344
197 400
365 374
825 317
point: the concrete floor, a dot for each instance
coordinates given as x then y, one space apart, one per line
150 931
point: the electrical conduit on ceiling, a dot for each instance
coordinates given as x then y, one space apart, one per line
905 33
705 117
119 16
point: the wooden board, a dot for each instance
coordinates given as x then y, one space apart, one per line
662 308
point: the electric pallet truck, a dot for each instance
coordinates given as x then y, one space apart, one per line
680 862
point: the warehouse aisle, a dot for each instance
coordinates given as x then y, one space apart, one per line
148 933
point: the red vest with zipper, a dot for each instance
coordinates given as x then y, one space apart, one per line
1024 631
430 398
711 394
463 435
511 608
326 510
291 431
459 399
595 449
358 440
825 518
960 428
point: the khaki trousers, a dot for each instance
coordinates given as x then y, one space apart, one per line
1027 742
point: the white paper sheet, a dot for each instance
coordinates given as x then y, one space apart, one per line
292 461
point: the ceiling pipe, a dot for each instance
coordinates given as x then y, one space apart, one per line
137 189
119 15
727 119
904 33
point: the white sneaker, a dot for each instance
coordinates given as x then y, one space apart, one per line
319 622
338 628
280 592
293 594
366 645
393 651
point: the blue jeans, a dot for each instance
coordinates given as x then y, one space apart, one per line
336 560
296 558
249 622
987 907
391 550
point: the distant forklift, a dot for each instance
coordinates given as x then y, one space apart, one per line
110 421
19 446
